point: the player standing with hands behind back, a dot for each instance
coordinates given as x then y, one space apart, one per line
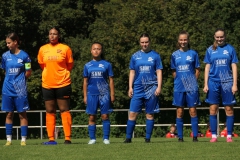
220 81
56 61
17 67
185 69
98 92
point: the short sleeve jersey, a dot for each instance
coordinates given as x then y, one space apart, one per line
185 63
220 61
97 73
145 66
14 66
55 59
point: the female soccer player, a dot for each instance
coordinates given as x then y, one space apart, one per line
17 67
56 61
96 91
145 80
220 80
185 69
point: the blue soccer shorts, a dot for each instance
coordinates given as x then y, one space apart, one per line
151 104
189 99
9 103
218 90
101 101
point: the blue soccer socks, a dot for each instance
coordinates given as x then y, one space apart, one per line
9 131
24 130
230 123
179 122
149 128
194 122
106 128
130 127
92 131
213 124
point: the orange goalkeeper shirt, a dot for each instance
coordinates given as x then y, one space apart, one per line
55 60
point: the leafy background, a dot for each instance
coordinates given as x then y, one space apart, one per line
117 24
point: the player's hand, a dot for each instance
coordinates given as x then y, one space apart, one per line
130 92
205 89
85 100
234 89
158 91
112 98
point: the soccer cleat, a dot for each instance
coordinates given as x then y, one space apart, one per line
195 139
9 143
106 141
92 141
147 140
229 139
50 143
127 140
180 140
23 143
67 142
213 140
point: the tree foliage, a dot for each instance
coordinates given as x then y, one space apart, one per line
118 25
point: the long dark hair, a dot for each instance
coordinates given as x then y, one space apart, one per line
14 37
214 46
102 53
186 33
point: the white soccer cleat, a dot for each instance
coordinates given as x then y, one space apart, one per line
92 141
106 141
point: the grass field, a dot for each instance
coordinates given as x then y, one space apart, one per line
159 148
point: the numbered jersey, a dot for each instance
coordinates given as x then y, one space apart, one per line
185 63
15 66
220 61
145 66
97 73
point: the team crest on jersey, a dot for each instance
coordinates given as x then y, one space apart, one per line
59 50
189 58
150 59
19 61
225 52
101 65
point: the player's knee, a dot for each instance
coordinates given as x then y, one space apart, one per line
104 116
9 115
132 116
150 116
229 111
92 119
193 112
180 113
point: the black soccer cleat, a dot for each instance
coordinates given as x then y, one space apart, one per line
195 139
180 140
67 142
147 140
127 140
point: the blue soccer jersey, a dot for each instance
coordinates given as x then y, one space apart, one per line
220 61
185 63
14 66
97 73
145 66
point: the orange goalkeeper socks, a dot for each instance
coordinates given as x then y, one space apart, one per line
50 124
67 124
